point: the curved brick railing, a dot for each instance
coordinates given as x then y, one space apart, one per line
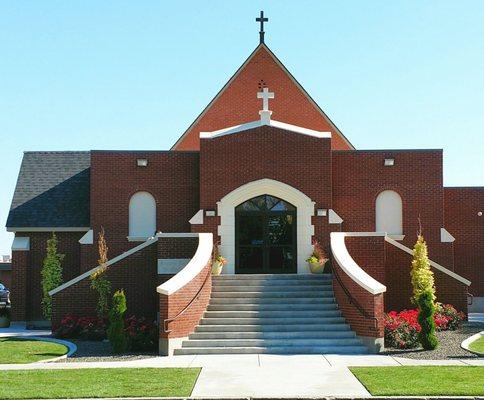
359 296
184 298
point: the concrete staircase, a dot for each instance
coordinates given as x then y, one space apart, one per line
278 314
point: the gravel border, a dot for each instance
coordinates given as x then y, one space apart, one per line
94 351
449 345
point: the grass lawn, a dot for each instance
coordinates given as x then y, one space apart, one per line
478 345
422 381
20 351
98 382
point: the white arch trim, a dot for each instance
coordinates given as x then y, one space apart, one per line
142 216
305 210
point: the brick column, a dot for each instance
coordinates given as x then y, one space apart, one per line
18 290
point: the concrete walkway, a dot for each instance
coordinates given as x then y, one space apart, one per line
264 375
253 375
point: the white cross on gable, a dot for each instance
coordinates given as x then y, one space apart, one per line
265 95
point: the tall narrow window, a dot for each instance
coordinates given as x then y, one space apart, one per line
388 210
142 215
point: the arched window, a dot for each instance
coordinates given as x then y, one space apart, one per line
142 215
388 210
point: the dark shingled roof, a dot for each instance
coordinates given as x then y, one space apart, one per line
52 190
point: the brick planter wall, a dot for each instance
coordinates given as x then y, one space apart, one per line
368 253
181 311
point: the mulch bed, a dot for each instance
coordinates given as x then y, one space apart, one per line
449 345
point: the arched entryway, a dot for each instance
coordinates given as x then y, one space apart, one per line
265 236
304 212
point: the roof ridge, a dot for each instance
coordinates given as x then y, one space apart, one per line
58 152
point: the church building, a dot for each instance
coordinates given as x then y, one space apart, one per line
263 174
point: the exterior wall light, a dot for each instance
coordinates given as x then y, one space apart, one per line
210 213
389 162
142 162
479 214
321 212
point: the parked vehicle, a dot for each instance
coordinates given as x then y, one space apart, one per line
4 296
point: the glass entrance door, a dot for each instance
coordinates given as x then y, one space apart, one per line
265 236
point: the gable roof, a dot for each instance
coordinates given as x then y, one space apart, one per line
191 134
52 190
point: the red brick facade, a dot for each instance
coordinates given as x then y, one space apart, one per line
237 103
462 206
197 174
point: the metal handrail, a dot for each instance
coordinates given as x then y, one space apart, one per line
351 298
197 295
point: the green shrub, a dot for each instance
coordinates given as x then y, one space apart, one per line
116 334
99 281
426 336
51 274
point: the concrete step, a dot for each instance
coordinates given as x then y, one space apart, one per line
272 307
272 321
270 342
253 328
341 334
271 294
273 314
272 300
267 277
274 282
272 288
274 350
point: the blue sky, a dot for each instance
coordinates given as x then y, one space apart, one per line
133 75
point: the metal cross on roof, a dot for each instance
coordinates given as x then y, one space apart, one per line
261 19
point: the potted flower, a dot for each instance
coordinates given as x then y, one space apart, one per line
4 317
318 259
218 261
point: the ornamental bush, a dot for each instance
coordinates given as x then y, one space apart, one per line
402 329
85 328
142 334
424 293
99 281
51 274
426 336
116 334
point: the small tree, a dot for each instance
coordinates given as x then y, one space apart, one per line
424 293
51 274
116 334
99 282
422 275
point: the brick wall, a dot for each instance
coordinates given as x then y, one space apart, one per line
359 176
171 177
399 286
136 274
461 207
300 161
239 104
26 267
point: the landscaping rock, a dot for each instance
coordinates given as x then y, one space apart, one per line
448 348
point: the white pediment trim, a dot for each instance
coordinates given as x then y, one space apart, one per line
255 124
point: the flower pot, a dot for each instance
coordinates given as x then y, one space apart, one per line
317 268
4 322
217 268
